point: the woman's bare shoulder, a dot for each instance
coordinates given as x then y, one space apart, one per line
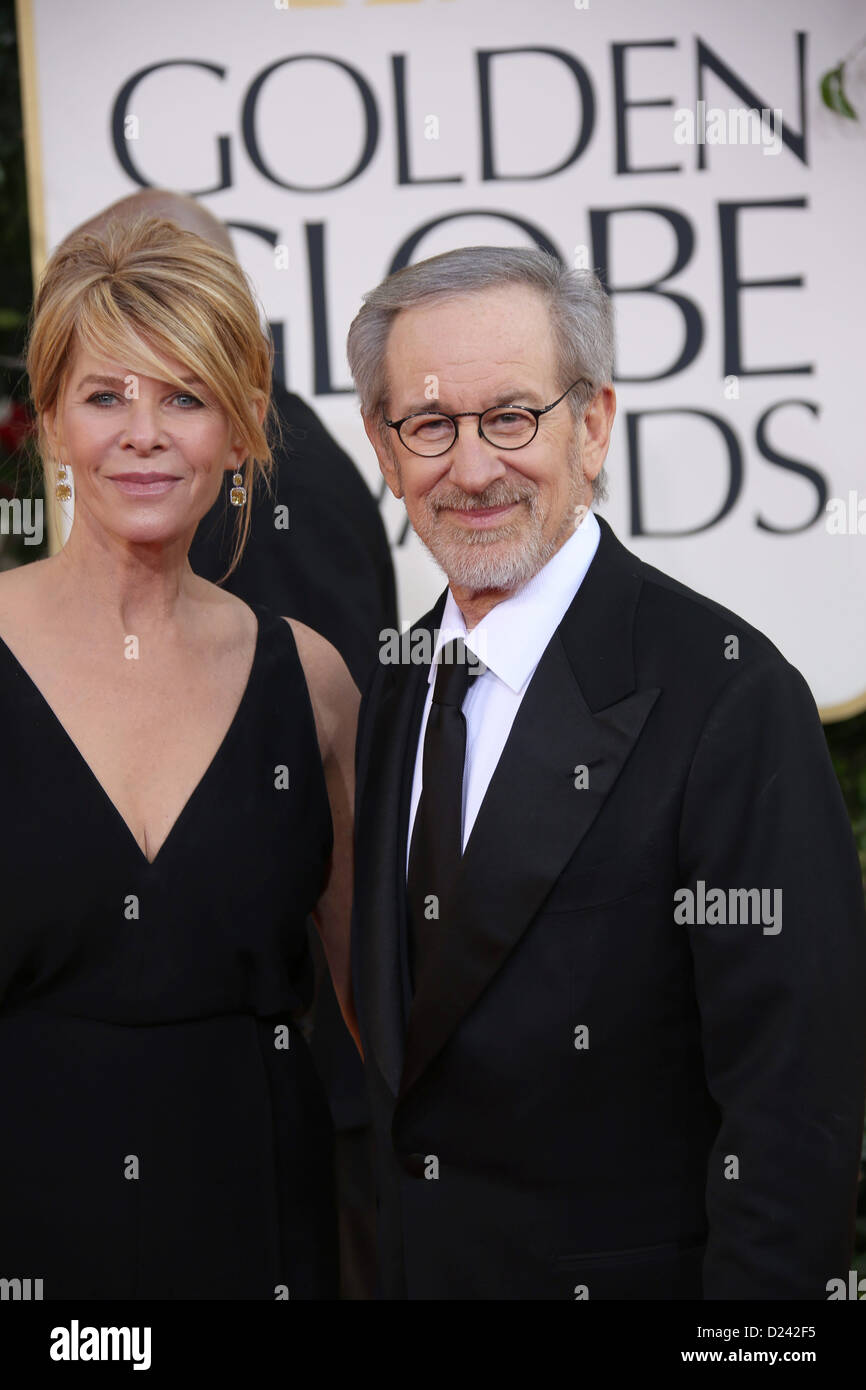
222 615
333 693
23 578
23 589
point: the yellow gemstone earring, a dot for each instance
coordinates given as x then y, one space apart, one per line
238 495
62 490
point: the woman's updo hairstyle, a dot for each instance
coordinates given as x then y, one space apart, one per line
145 291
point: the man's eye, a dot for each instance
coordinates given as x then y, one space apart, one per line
508 419
430 426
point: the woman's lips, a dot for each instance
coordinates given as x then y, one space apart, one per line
144 484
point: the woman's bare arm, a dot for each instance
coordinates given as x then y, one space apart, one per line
335 700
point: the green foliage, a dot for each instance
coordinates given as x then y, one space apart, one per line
17 473
833 93
847 744
16 287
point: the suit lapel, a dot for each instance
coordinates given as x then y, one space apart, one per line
381 841
581 707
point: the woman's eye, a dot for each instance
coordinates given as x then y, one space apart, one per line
184 398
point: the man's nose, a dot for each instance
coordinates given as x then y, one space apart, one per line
475 464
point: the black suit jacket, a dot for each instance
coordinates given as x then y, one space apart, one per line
701 1138
332 570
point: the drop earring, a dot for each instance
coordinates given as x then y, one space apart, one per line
62 490
238 495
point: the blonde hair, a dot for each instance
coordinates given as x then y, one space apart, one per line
144 291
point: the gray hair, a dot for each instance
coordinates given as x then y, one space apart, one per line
581 320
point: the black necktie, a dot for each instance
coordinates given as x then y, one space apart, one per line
436 848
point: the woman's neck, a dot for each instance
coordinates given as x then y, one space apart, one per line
138 585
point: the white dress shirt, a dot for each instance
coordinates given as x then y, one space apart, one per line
510 641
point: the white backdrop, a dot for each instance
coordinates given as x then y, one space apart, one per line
339 130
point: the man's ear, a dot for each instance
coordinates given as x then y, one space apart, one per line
387 462
595 428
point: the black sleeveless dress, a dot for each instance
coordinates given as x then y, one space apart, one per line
163 1133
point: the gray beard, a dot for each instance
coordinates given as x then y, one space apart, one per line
484 559
480 562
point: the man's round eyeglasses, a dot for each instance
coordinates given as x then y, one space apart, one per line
503 426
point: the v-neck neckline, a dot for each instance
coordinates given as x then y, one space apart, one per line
193 796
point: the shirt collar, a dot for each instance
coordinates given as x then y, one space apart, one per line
510 640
